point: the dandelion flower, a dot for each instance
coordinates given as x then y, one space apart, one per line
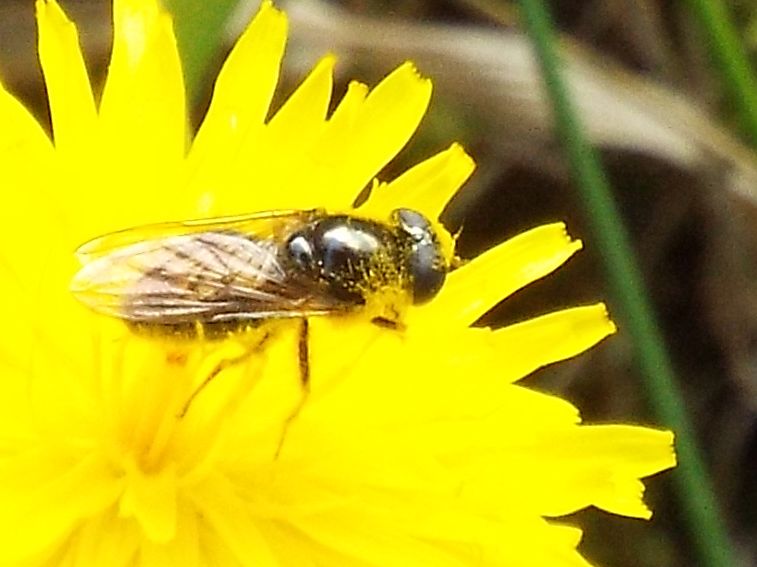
415 446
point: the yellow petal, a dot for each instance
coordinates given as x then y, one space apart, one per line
102 540
31 199
142 119
632 453
374 544
337 136
527 346
232 519
72 105
245 86
455 436
22 141
476 287
426 187
347 112
392 529
185 549
365 134
263 177
27 175
62 378
151 500
598 465
36 489
389 117
305 110
296 126
242 95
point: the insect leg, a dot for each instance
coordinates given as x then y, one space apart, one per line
217 369
386 323
303 357
303 352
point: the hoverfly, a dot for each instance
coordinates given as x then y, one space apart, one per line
222 274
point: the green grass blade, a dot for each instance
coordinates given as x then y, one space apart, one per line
631 303
731 60
200 27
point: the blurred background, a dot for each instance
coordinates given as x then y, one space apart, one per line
675 151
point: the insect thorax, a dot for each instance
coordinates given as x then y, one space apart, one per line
356 259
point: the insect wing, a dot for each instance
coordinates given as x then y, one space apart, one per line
259 226
198 276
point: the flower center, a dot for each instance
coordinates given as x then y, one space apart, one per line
151 420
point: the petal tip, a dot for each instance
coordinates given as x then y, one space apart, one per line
49 12
612 328
466 161
326 63
409 70
270 12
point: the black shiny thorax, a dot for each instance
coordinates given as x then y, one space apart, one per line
352 256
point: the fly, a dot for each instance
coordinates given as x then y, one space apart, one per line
223 274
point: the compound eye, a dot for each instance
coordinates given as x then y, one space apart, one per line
301 252
426 262
428 271
414 224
